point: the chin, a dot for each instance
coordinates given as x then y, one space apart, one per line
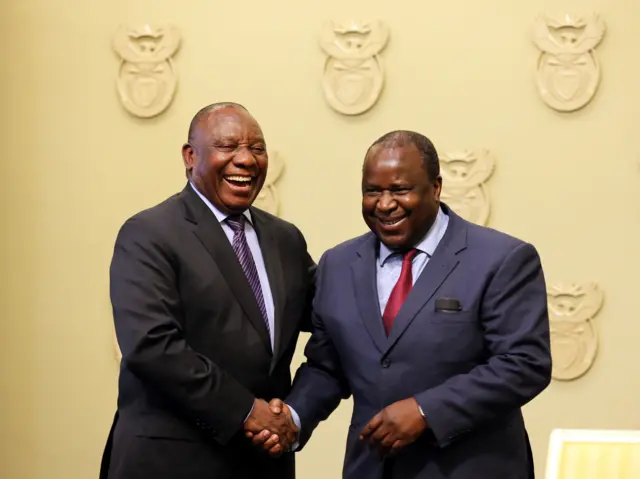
235 205
392 241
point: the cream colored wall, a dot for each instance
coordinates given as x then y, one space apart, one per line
75 165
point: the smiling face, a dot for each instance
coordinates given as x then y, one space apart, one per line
226 158
399 200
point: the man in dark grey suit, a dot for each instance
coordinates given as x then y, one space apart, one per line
438 328
209 295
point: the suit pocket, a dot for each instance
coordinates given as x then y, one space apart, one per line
164 437
154 427
452 317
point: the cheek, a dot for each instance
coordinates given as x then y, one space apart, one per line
211 167
408 202
368 205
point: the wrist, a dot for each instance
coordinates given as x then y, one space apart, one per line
248 415
421 411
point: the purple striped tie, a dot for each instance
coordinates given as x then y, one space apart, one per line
241 247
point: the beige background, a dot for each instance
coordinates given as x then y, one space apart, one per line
75 165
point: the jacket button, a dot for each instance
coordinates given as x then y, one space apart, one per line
386 363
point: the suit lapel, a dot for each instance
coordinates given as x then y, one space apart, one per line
364 282
439 267
213 238
273 264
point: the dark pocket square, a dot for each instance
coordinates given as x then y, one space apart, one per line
448 305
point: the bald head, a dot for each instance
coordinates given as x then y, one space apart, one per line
204 113
226 156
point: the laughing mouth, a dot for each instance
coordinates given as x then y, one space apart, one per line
390 221
239 180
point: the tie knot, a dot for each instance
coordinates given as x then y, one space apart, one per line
407 256
236 223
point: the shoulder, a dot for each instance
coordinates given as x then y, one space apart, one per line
154 222
282 229
492 238
345 252
496 246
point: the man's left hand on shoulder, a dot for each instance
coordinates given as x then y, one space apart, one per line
395 427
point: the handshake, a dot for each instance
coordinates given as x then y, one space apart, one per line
271 426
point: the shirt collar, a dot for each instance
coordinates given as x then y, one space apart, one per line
220 216
427 244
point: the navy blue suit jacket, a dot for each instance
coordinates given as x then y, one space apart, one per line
471 371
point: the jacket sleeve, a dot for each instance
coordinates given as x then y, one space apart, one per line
515 322
147 314
306 324
319 384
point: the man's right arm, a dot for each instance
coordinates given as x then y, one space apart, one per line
318 387
319 383
146 309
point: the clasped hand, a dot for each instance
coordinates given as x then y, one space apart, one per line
271 427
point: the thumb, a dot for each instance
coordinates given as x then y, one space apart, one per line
276 405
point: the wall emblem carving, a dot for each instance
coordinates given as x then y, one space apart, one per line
268 198
464 175
146 78
574 340
353 72
568 72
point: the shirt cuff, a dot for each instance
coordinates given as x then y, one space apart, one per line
296 420
421 412
247 417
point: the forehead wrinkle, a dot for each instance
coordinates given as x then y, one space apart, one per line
233 124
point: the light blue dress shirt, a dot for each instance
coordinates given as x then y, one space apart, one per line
254 246
389 266
389 263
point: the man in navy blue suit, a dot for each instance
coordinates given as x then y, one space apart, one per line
437 327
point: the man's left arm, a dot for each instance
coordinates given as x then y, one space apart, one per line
515 320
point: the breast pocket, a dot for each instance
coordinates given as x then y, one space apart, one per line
444 316
454 337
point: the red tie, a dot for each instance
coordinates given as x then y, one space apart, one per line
400 291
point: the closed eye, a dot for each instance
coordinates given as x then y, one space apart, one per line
226 147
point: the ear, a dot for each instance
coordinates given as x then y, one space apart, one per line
437 188
188 157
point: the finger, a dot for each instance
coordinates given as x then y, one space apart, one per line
387 441
276 450
248 434
276 405
379 434
371 426
384 445
270 443
397 445
259 439
291 436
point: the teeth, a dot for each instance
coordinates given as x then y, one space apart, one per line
245 179
390 222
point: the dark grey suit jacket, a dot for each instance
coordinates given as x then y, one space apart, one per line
195 349
470 370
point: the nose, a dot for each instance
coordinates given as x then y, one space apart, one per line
244 157
386 203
